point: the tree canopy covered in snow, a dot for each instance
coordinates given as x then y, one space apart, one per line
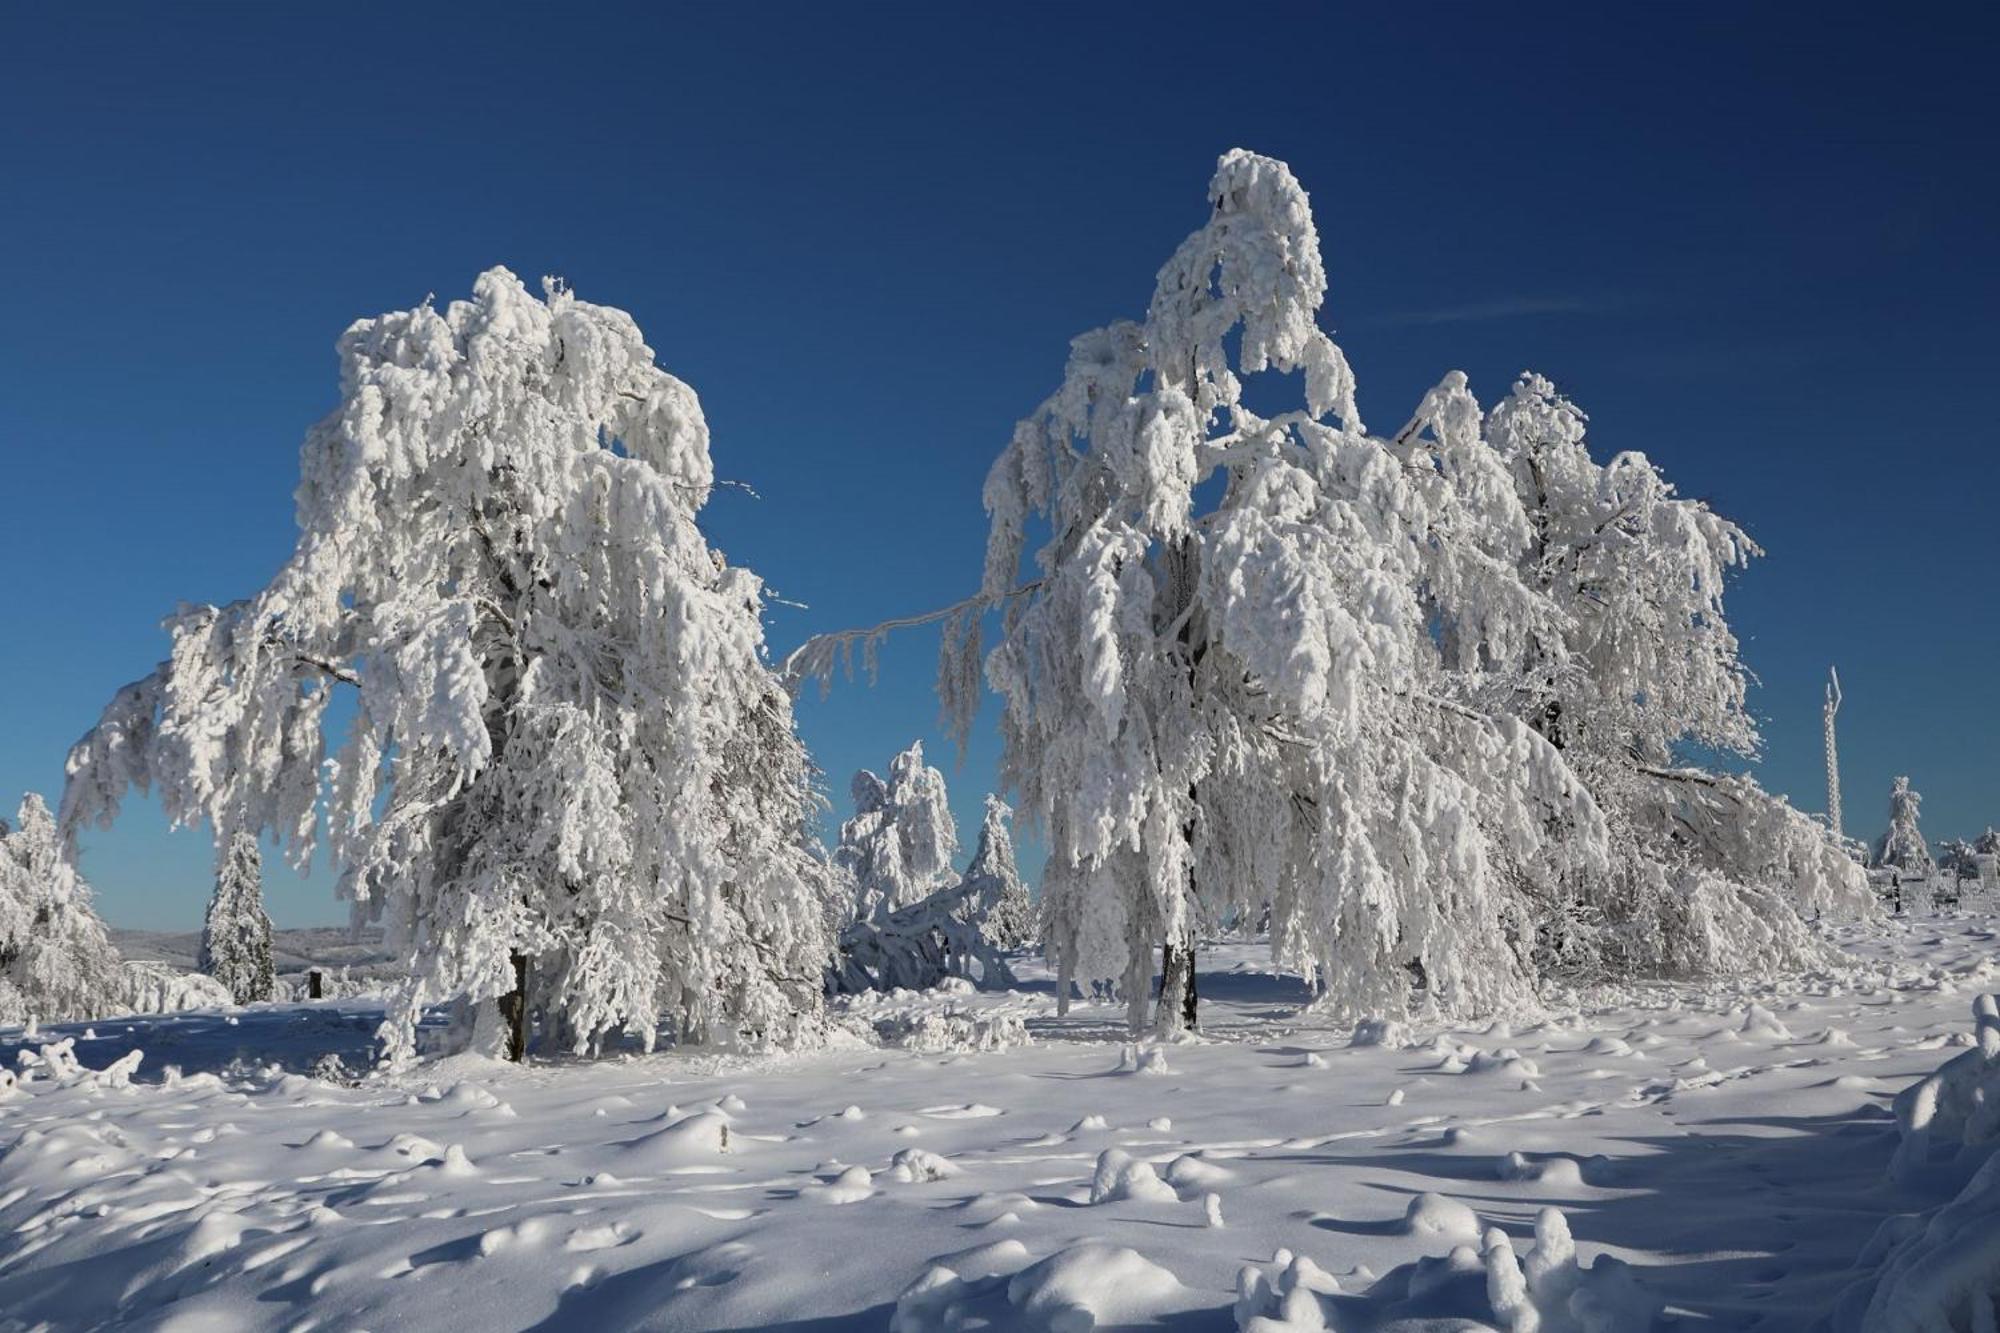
1642 663
915 920
899 847
1277 659
1220 695
1901 846
236 934
56 962
993 880
567 744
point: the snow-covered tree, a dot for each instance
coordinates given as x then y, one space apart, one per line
899 847
957 931
1231 680
1006 914
236 935
1901 848
1639 663
1956 859
918 946
56 961
568 756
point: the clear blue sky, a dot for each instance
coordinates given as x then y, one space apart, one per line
1755 242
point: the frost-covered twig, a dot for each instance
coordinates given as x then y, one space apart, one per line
819 657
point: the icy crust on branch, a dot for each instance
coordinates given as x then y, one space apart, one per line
56 961
1940 1269
567 742
899 847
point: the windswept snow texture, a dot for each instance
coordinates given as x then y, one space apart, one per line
1721 1155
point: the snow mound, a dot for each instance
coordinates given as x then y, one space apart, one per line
697 1138
1557 1170
849 1186
1435 1215
1380 1032
1074 1290
1761 1022
917 1165
1137 1059
1078 1288
1121 1176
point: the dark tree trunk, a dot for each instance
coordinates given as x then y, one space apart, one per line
315 988
514 1009
1177 986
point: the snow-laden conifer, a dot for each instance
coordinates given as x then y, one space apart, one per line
1230 679
236 934
567 746
56 960
1901 847
1006 914
899 847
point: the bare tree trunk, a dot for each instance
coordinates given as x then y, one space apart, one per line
514 1009
1065 977
1138 988
1176 1011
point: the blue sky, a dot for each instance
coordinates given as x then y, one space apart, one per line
1752 241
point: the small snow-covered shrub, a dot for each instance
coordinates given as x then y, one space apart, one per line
154 988
934 1031
1544 1291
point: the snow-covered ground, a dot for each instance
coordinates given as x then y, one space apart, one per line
1731 1144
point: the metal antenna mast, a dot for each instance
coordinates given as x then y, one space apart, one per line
1832 752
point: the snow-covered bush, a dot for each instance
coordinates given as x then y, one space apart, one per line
56 961
334 984
155 988
236 935
1490 1287
567 746
1941 1269
898 848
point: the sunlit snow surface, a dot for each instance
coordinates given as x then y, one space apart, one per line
1730 1143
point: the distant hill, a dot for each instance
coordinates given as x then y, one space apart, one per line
292 951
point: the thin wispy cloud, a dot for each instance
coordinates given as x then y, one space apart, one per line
1506 307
